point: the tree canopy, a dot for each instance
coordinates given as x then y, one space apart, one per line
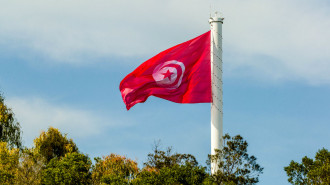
235 166
8 164
166 167
114 169
10 129
53 144
30 167
71 169
310 171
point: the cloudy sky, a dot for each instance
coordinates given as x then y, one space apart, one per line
62 62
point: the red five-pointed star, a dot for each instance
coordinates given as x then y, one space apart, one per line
168 74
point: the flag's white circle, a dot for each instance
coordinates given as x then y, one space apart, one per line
169 74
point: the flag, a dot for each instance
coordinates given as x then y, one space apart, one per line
180 74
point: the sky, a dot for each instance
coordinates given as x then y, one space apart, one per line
61 63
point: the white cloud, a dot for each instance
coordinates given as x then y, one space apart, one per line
294 34
68 30
291 33
35 115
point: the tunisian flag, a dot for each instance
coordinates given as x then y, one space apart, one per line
180 74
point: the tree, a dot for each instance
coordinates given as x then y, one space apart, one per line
165 167
114 169
310 171
160 159
235 166
10 130
53 144
8 164
30 167
71 169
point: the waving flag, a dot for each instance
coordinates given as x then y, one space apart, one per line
180 74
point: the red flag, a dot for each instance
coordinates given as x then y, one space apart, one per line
180 74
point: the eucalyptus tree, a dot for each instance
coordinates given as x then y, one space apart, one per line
10 129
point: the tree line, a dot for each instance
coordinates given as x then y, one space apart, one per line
55 158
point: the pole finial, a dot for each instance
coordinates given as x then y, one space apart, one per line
218 17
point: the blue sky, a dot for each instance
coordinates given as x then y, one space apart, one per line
62 62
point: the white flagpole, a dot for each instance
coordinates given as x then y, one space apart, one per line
216 77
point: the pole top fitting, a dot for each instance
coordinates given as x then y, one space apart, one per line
216 18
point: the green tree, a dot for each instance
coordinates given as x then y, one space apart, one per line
235 166
310 171
176 174
166 167
72 169
114 169
8 164
10 130
160 158
53 144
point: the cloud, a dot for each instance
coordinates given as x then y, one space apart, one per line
280 39
276 40
36 114
67 31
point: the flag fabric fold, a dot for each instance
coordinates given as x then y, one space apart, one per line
180 74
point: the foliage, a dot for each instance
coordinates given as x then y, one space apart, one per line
235 166
160 159
72 169
176 174
30 167
114 169
53 144
163 167
8 164
310 171
10 130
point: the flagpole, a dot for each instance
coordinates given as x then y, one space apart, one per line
216 78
